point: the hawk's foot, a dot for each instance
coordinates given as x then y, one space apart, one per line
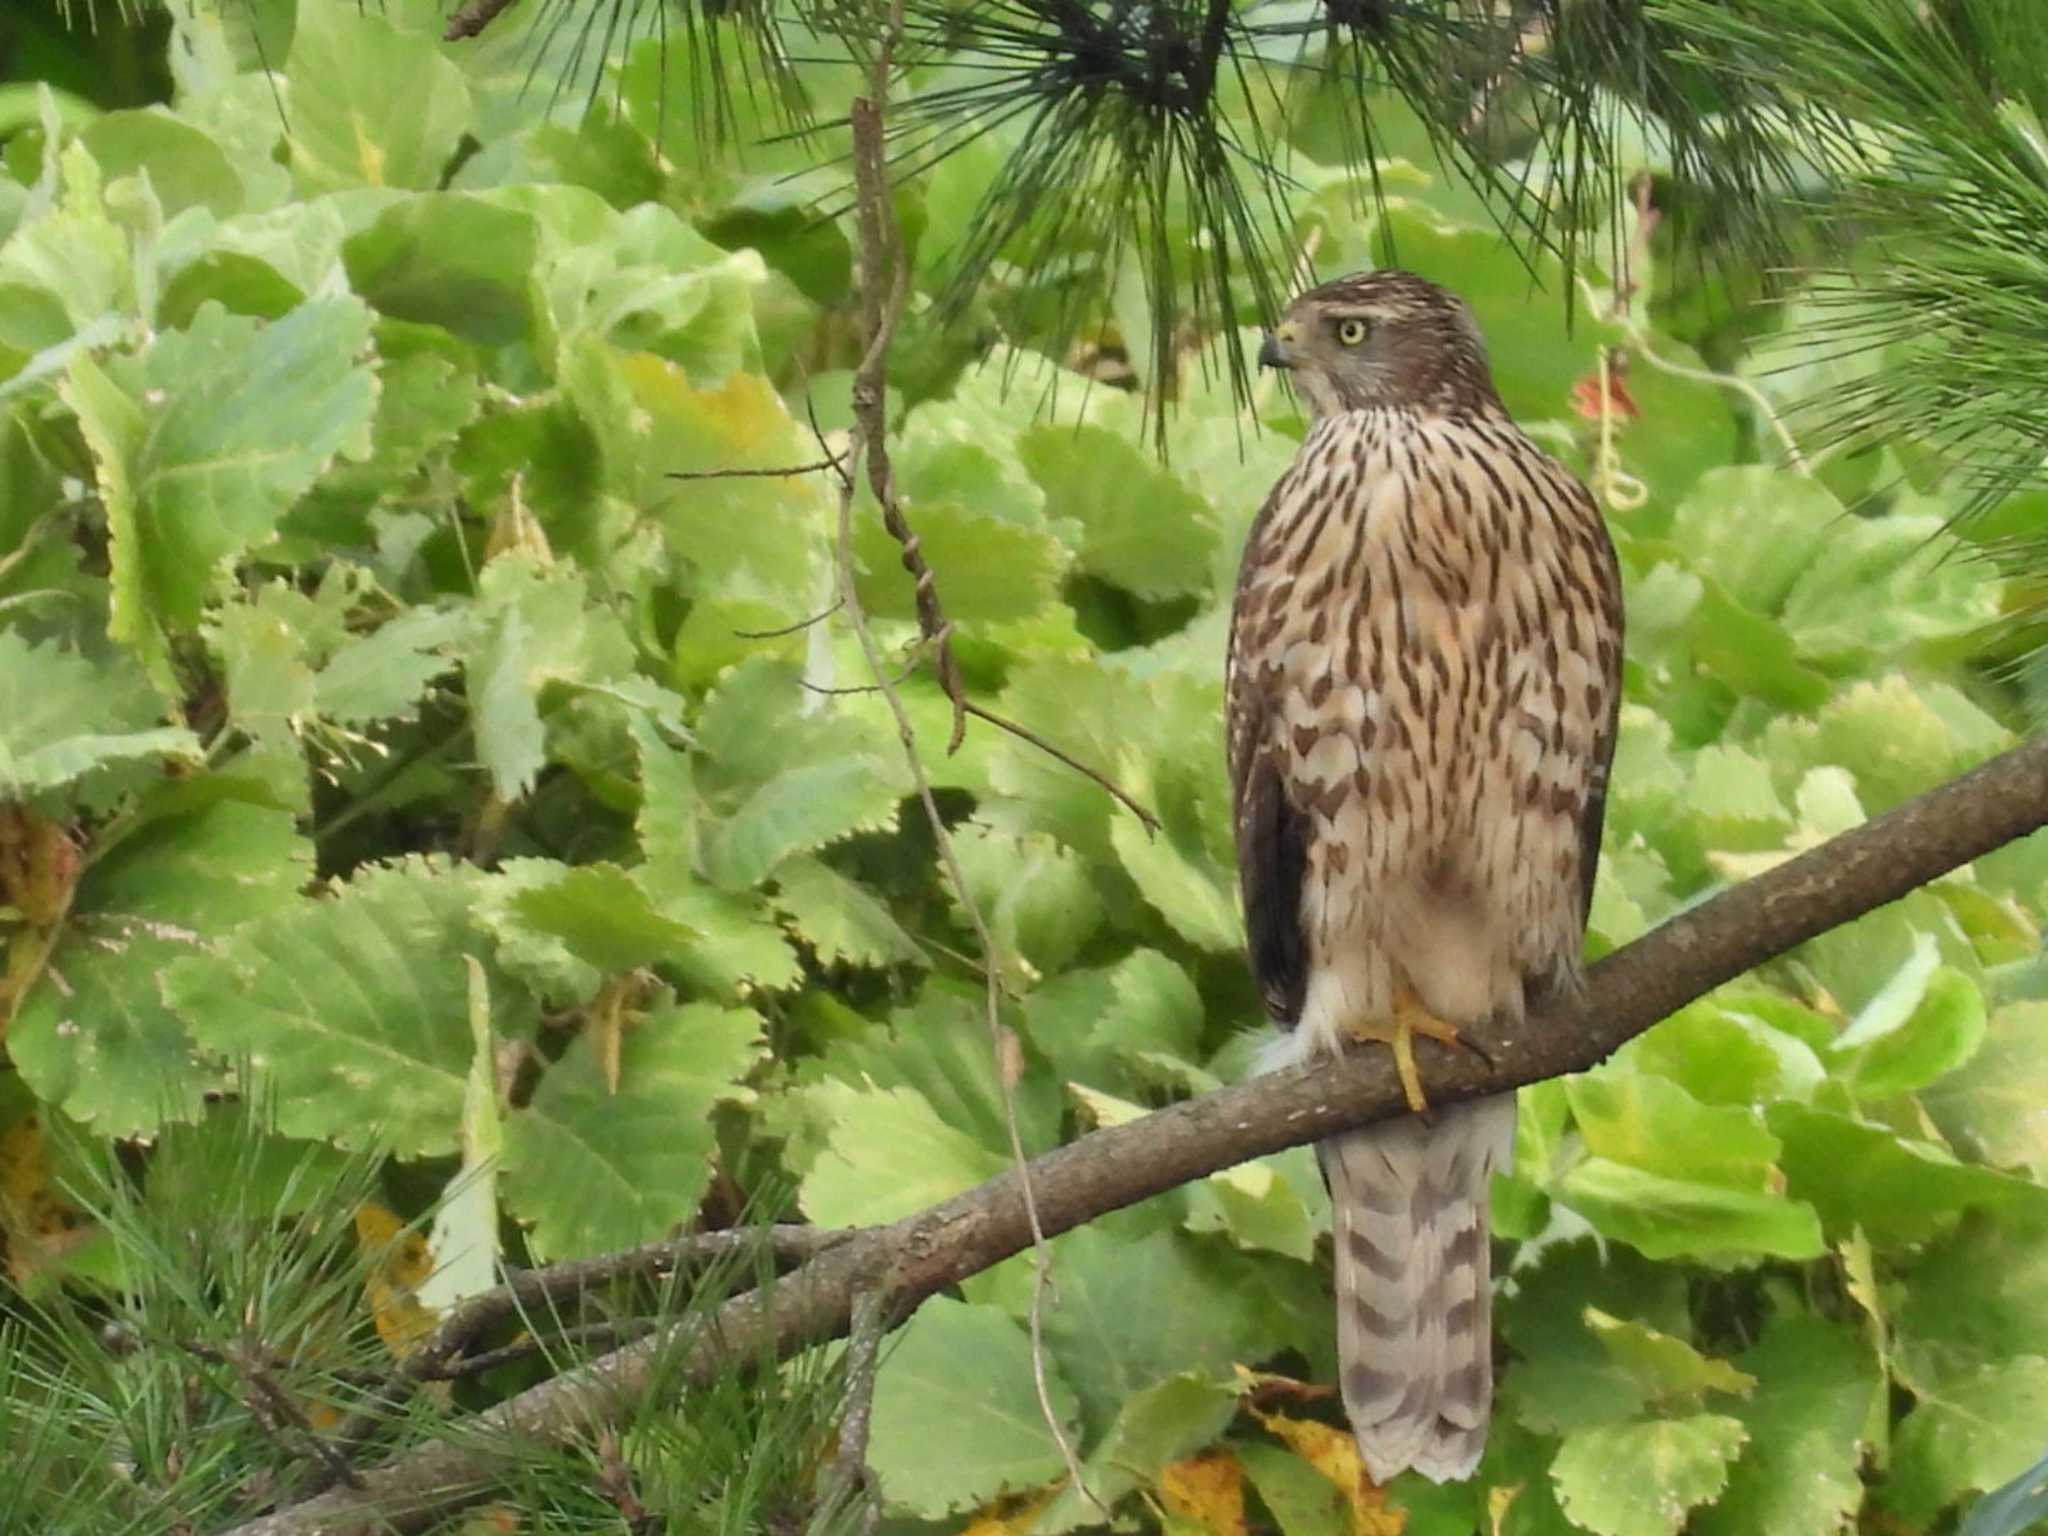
1412 1019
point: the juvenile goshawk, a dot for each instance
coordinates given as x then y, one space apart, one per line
1425 664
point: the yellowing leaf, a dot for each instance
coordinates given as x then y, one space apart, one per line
1334 1453
1207 1489
400 1261
39 1226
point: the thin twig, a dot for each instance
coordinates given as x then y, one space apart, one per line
1641 983
613 1334
472 18
1025 733
830 461
788 629
274 1409
881 252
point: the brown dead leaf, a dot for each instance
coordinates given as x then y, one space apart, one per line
1008 1517
38 1225
1207 1490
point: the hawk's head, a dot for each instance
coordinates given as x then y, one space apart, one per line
1385 338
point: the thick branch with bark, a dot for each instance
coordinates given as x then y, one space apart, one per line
1626 993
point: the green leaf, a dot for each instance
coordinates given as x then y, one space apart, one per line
371 106
1990 1107
1798 1471
532 626
1301 1500
355 1009
1141 527
1734 800
1896 1188
1189 889
96 1036
1972 1298
1156 1427
595 1170
1664 1366
382 674
603 917
886 1156
1987 1425
1757 531
805 807
202 451
1138 1304
840 918
988 570
1037 897
987 1418
1563 1378
1670 1217
451 260
1653 1124
1942 1032
62 716
186 168
1641 1479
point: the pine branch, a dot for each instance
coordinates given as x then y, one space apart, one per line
1626 993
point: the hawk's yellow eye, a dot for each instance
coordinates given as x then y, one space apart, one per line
1351 332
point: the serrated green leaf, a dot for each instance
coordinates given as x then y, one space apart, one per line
593 1170
603 917
1798 1471
381 675
1037 898
1142 528
1562 1378
1187 887
354 1009
96 1035
1942 1032
447 259
1642 1479
1985 1426
1976 1296
840 918
62 716
886 1156
804 807
988 1418
1301 1500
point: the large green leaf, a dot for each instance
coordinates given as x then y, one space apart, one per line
960 1377
1985 1426
1641 1479
62 716
596 1168
98 1035
354 1009
371 106
1797 1473
202 448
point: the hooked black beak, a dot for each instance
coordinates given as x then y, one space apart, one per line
1273 353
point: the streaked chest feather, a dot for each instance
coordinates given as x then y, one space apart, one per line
1418 615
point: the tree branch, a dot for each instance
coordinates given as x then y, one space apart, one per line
1626 993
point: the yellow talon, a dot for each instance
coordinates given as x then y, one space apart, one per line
1410 1019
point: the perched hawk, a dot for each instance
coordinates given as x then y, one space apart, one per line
1425 663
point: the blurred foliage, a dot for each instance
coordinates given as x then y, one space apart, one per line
386 732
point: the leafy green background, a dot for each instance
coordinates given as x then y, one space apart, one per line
353 626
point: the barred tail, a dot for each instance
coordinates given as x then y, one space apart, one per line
1414 1294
